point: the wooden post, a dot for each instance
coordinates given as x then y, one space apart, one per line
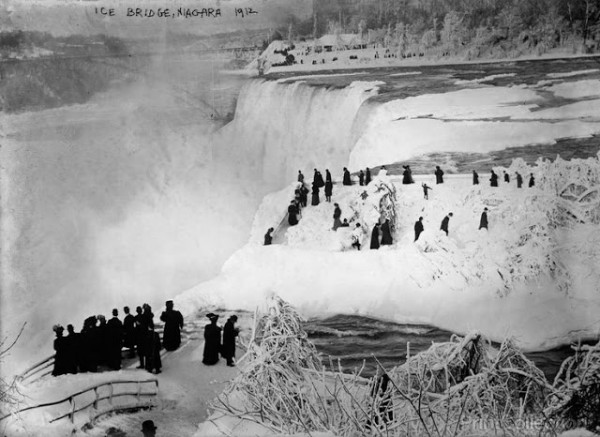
72 415
110 395
97 396
139 384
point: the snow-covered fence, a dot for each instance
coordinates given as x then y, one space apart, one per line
97 404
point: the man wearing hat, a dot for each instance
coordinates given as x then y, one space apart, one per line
212 340
230 332
483 223
173 325
148 428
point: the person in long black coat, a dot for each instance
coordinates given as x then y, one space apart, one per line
320 181
129 331
506 178
531 180
315 176
173 326
346 179
328 190
212 341
73 348
406 177
102 341
361 178
483 222
292 214
337 214
269 237
328 176
386 234
300 177
375 237
61 355
230 332
315 195
368 176
493 179
152 350
114 335
445 222
439 175
418 228
475 178
141 326
519 180
89 354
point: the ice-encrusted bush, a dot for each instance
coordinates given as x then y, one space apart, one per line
377 200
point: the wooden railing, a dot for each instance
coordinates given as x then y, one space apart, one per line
98 400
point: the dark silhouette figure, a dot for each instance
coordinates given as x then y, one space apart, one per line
89 353
386 233
212 341
337 213
148 315
418 228
102 340
173 326
346 179
483 222
445 222
357 235
345 224
493 179
368 176
72 345
269 237
61 355
114 329
439 175
315 177
531 180
375 237
328 190
292 214
300 177
141 326
152 348
230 332
129 331
361 178
328 176
426 189
475 178
519 180
303 195
148 428
506 178
315 195
407 175
320 181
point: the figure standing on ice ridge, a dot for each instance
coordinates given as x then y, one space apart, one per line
531 180
337 213
346 179
418 228
361 178
212 341
60 346
426 189
315 194
328 190
300 177
506 178
375 237
483 223
367 176
357 236
475 178
519 180
173 326
292 212
445 222
386 234
407 175
269 237
439 175
230 332
114 329
493 179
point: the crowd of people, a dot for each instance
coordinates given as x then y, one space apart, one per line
100 343
214 345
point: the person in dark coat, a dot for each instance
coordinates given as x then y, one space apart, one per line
531 180
445 222
230 332
269 237
506 178
475 178
361 178
152 348
114 330
328 176
426 189
212 341
519 180
315 176
72 350
129 331
386 234
141 326
328 190
346 179
148 315
345 224
173 326
320 181
418 228
493 179
368 176
300 177
375 237
148 428
407 175
439 175
61 355
483 223
102 341
315 195
89 353
292 214
337 213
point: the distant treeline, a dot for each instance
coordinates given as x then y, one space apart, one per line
458 26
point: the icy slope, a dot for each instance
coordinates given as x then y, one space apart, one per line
533 275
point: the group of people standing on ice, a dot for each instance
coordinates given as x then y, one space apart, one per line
214 345
100 342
